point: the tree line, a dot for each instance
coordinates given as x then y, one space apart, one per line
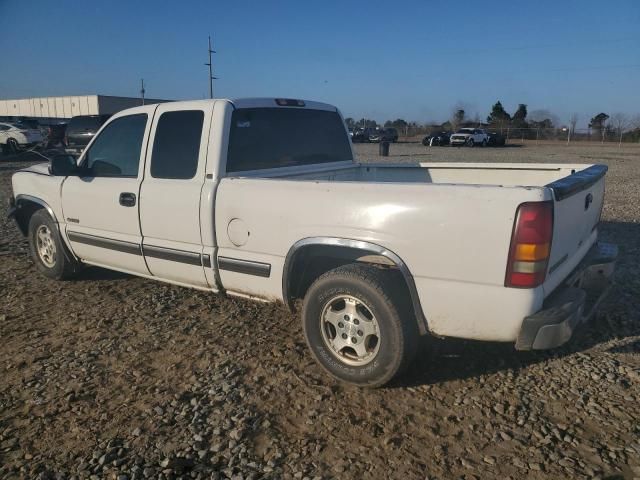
601 126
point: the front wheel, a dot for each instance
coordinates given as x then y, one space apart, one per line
47 250
12 145
470 142
484 143
357 325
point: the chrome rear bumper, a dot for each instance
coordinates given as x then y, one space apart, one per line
572 304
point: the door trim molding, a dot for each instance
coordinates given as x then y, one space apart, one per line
172 255
103 242
247 267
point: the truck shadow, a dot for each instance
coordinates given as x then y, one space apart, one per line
91 273
616 320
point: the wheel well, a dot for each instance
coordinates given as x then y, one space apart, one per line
309 262
26 209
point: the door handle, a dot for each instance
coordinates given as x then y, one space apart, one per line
127 199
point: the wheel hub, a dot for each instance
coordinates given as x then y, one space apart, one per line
45 246
350 330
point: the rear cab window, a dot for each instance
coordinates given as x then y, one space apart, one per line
176 146
262 138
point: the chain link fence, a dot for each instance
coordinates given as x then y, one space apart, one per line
534 136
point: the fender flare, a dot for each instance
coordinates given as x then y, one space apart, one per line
29 198
39 201
367 248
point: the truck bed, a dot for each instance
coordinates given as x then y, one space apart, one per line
494 174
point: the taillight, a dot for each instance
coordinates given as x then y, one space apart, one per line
530 245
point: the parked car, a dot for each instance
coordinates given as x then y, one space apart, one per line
17 136
80 130
363 135
469 137
237 197
496 140
56 135
384 135
436 139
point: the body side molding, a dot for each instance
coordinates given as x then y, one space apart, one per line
102 242
247 267
172 255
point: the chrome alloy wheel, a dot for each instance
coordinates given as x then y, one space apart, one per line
46 246
350 330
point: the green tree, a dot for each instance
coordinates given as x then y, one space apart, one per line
520 115
350 122
498 116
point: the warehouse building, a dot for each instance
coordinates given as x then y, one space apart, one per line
50 109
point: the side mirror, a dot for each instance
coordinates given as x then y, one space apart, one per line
63 165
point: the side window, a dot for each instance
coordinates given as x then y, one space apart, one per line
3 128
116 150
176 146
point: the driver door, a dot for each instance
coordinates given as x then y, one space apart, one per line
100 206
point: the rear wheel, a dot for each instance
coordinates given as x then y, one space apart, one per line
47 250
357 325
484 143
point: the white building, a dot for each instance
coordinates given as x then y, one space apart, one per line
70 106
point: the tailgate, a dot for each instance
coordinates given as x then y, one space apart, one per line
578 200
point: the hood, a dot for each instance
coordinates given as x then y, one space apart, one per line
39 168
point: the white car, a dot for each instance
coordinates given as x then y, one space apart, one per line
234 197
469 137
14 136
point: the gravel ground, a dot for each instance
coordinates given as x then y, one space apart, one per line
112 376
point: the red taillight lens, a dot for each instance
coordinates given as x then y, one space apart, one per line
530 245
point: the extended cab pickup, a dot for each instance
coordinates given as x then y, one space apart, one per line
235 197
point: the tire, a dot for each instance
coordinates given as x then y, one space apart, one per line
49 254
484 143
385 334
470 143
12 145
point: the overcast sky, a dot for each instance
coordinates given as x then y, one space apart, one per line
414 59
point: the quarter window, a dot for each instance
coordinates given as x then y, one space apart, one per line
176 146
116 150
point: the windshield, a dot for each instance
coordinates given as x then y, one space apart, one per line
283 137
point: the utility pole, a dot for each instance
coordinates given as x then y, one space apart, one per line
142 89
210 64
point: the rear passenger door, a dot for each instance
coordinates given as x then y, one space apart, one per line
171 190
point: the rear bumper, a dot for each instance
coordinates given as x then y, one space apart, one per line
572 304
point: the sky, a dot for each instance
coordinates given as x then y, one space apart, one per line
415 60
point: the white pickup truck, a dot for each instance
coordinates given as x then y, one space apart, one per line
235 197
